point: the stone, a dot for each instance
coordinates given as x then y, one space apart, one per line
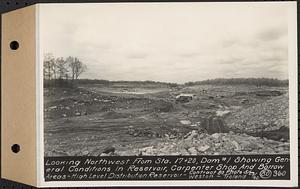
202 135
52 107
203 148
236 145
222 113
183 151
191 135
104 154
260 145
135 134
192 151
185 122
85 153
265 123
218 145
216 135
146 149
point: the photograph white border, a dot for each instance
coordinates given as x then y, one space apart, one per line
293 113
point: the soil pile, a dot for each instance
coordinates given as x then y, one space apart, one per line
195 143
268 119
69 102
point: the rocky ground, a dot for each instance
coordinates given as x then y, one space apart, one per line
263 119
266 125
224 120
195 143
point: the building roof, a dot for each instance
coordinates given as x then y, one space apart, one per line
185 95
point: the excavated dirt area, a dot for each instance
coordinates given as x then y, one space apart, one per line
126 120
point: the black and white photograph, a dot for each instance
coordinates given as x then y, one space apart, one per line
163 79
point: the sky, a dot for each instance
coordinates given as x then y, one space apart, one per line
170 42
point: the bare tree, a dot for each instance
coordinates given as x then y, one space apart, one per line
62 67
70 61
57 71
76 67
79 68
54 69
49 63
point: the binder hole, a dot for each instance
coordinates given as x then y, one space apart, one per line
14 45
15 148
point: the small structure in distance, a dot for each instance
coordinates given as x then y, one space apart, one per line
184 97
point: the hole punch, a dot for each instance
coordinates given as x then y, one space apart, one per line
15 148
14 45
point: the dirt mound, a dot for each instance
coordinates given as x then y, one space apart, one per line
268 93
70 102
195 143
77 102
263 119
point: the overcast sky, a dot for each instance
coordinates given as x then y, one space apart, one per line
172 42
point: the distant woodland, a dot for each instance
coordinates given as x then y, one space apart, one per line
234 81
65 72
242 81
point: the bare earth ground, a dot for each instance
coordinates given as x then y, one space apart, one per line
146 120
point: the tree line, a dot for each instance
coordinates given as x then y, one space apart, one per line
123 82
240 81
60 71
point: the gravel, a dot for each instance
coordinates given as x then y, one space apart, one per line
222 143
270 115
